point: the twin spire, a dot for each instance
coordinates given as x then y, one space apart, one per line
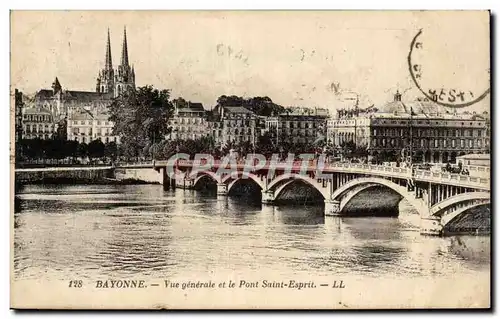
124 60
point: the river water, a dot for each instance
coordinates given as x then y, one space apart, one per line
101 231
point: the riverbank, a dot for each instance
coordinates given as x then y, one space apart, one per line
76 181
87 175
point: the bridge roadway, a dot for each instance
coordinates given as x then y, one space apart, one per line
438 197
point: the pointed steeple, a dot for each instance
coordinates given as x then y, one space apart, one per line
109 62
56 86
124 61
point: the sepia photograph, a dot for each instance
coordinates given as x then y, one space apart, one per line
250 160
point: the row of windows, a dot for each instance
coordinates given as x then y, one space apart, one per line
195 120
88 131
437 143
237 123
237 131
102 139
302 132
236 116
38 128
434 132
297 124
238 139
33 136
37 118
189 128
189 136
90 122
429 122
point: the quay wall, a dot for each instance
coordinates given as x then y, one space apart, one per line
87 175
73 175
141 175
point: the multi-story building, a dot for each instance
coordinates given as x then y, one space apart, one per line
189 122
238 125
38 122
85 126
298 125
422 128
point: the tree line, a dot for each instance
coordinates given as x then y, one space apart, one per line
34 149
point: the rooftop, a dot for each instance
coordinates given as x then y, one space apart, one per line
46 94
191 107
237 109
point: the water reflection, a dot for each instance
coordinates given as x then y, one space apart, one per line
101 231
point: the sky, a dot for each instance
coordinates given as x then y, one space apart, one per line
302 58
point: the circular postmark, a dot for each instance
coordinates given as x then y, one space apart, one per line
449 72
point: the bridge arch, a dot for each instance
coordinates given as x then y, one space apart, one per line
460 200
232 179
199 175
447 219
352 188
282 181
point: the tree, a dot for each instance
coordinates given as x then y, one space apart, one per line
180 102
232 100
96 149
141 116
263 106
111 151
260 105
82 150
71 148
265 145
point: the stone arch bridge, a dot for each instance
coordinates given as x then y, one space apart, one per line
438 197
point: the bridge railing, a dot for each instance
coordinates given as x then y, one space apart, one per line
370 169
447 178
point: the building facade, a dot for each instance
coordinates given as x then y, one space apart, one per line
238 125
421 128
189 122
38 122
298 125
89 124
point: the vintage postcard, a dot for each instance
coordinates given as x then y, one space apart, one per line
250 159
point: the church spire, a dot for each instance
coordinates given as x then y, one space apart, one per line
109 62
124 61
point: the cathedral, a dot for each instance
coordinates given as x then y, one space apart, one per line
113 82
85 113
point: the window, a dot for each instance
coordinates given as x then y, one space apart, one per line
453 143
462 143
444 142
436 143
